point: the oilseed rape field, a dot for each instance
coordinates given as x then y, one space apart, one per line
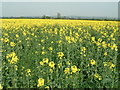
49 53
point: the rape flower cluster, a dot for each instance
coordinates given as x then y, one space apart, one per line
40 82
47 53
12 58
92 62
60 55
71 70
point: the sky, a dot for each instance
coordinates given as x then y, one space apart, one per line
60 0
91 9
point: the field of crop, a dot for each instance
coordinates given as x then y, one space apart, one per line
48 53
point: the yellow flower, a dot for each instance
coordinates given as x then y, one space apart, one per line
14 60
112 66
93 38
8 55
80 40
92 62
74 69
47 87
41 63
43 48
100 40
59 65
24 33
105 64
98 43
1 87
60 55
42 40
16 67
32 34
99 78
52 42
50 48
12 44
17 35
60 41
45 60
96 75
104 44
13 54
105 53
67 70
43 52
109 45
51 70
40 82
28 70
83 49
20 41
23 67
114 46
36 52
51 64
6 40
6 34
68 63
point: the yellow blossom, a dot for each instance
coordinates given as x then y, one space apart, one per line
1 87
74 69
59 65
42 40
100 40
105 53
96 75
47 87
12 44
43 52
112 66
24 33
92 62
43 48
45 60
51 64
51 70
60 55
105 64
17 35
93 38
99 78
41 63
14 60
40 82
67 70
50 48
28 70
6 40
68 63
104 45
16 67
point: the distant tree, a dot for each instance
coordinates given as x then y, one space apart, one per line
58 15
48 17
44 16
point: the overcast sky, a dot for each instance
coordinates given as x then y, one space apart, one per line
60 0
98 9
